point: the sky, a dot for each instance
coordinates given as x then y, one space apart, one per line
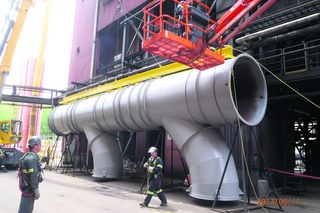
57 47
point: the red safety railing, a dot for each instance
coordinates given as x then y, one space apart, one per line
161 37
160 32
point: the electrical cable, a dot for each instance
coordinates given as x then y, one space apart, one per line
239 124
242 143
287 85
125 12
131 15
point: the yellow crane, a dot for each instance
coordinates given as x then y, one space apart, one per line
12 41
11 130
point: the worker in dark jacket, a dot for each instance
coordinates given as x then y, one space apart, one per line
30 176
2 156
181 12
154 166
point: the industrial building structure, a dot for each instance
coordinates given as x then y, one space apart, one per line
284 40
122 100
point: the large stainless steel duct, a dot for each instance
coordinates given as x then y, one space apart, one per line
190 105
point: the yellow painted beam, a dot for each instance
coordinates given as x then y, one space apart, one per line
131 80
38 72
227 52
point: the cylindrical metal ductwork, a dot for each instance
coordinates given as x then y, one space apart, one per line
108 152
206 154
184 104
213 152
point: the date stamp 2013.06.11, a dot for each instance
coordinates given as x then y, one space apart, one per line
278 201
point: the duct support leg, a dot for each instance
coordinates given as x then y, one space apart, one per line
106 150
205 153
268 173
53 153
224 170
244 180
66 153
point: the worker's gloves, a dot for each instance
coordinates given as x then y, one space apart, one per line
150 169
36 194
146 165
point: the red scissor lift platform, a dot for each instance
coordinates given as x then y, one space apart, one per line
161 39
192 48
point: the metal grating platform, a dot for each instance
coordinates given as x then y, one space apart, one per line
290 13
170 46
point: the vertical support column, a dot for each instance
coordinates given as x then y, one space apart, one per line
124 43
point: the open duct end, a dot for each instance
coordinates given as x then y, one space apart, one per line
249 90
222 95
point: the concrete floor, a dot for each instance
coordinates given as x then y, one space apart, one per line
82 193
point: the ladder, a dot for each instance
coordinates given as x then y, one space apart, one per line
46 151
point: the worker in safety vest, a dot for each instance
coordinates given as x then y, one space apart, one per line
154 166
30 175
2 156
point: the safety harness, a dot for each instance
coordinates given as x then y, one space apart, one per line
157 177
23 184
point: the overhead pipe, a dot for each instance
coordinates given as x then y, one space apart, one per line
286 36
190 105
277 29
94 43
247 21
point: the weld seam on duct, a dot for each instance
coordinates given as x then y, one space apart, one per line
206 159
145 107
185 104
118 112
72 121
95 114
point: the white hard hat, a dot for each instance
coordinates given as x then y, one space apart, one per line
153 149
